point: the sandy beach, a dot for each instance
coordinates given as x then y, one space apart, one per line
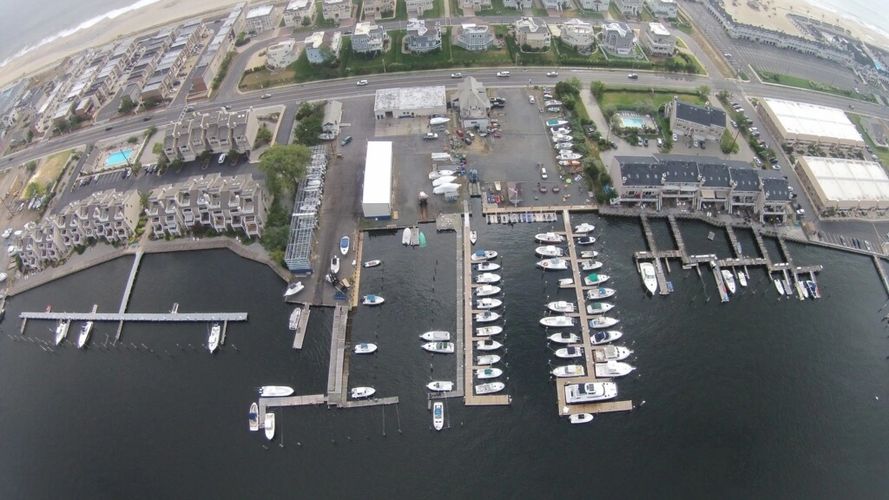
138 21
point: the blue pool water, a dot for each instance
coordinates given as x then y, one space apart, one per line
118 158
632 121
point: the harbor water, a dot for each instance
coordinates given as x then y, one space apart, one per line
763 396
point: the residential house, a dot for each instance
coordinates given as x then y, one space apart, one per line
474 37
336 10
377 9
595 5
517 4
368 38
474 104
629 7
658 39
323 46
421 38
416 8
663 8
532 34
282 54
618 38
476 5
698 122
297 11
578 34
261 18
557 5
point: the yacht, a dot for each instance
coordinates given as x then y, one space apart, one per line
610 369
599 307
275 391
482 255
439 347
406 236
585 240
778 286
473 237
549 237
486 317
334 264
649 279
269 426
589 254
605 337
568 371
566 282
487 359
580 418
213 338
487 278
549 251
440 386
438 415
611 353
373 263
488 331
553 264
564 338
742 278
253 417
486 373
372 300
436 336
561 306
600 293
565 155
603 322
344 245
590 265
487 290
62 330
84 336
556 122
557 321
590 392
293 324
584 228
487 266
489 388
488 303
594 279
729 280
488 345
572 351
362 392
364 348
293 288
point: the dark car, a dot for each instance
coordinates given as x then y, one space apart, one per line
346 140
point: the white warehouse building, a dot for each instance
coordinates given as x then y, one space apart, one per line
410 102
804 123
376 200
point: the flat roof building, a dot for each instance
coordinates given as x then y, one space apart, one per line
376 200
804 123
844 185
410 102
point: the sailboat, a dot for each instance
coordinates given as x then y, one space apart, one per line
62 330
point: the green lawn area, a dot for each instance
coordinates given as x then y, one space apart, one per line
545 58
617 99
794 81
589 14
266 78
683 24
497 9
882 153
538 11
437 10
456 10
319 18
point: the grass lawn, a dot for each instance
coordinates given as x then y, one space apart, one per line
456 10
497 9
538 11
266 78
546 58
794 81
683 24
50 168
397 61
320 22
589 14
437 10
625 99
882 153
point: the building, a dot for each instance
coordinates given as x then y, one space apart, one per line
376 199
476 5
211 60
260 18
420 39
531 34
416 8
517 4
336 10
297 11
803 124
410 102
701 123
333 117
663 8
474 37
323 46
557 5
378 9
474 104
595 5
839 186
218 132
775 200
578 34
629 7
368 38
658 39
618 38
280 55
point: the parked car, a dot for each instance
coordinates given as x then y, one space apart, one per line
222 158
430 136
543 173
531 99
7 233
346 140
361 83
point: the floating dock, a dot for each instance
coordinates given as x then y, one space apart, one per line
300 334
138 317
336 394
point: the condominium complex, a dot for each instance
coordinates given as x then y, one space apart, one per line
217 132
208 66
701 123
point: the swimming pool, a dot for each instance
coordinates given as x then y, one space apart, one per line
118 158
632 122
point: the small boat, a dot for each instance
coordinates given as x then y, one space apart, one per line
439 120
213 338
742 278
275 391
572 351
487 303
549 251
270 426
557 138
585 240
364 348
649 279
482 255
600 293
611 353
564 338
568 145
344 245
570 163
580 418
406 236
589 254
729 279
487 278
489 387
605 337
603 322
584 228
84 336
486 317
293 324
486 373
253 417
473 237
487 290
435 174
436 336
440 386
611 369
567 156
438 415
590 265
595 279
487 359
373 263
487 266
568 371
293 288
556 122
561 306
566 282
560 130
557 321
549 237
334 265
372 300
62 330
488 331
590 392
778 286
439 347
553 264
488 345
599 307
362 392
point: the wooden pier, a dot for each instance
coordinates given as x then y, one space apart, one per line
459 336
336 393
125 300
300 334
138 317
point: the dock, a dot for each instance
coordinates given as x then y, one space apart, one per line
336 394
138 317
128 290
462 373
882 272
300 334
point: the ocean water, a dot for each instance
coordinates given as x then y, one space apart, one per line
759 398
870 13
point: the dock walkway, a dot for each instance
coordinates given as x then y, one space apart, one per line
138 317
300 334
336 395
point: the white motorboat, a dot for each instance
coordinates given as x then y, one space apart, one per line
487 278
84 336
488 373
566 282
590 265
482 255
295 316
572 351
611 369
62 330
489 388
406 236
553 264
444 179
440 386
269 426
589 254
473 237
561 306
439 347
487 266
488 303
487 359
213 338
372 300
549 237
559 138
334 264
564 338
729 279
438 120
486 317
580 418
778 286
275 391
590 392
585 240
600 293
362 392
599 307
649 279
557 321
567 145
742 278
344 245
568 371
605 337
594 279
253 417
488 331
560 130
556 122
364 348
293 288
373 263
584 228
487 290
488 345
436 336
549 251
438 415
603 322
435 174
566 155
611 353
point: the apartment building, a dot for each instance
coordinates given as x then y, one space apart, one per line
336 10
701 123
216 132
474 37
532 33
261 18
208 66
297 10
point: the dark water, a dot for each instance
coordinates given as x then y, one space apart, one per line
761 397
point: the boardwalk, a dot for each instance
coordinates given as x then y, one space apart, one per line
335 391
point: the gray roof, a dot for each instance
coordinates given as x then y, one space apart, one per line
745 178
704 115
776 189
714 175
657 170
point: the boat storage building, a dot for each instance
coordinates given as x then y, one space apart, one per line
804 124
845 186
377 196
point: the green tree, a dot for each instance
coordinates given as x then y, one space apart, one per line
598 89
703 91
151 131
263 136
284 165
307 130
132 139
143 199
31 166
275 237
126 105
